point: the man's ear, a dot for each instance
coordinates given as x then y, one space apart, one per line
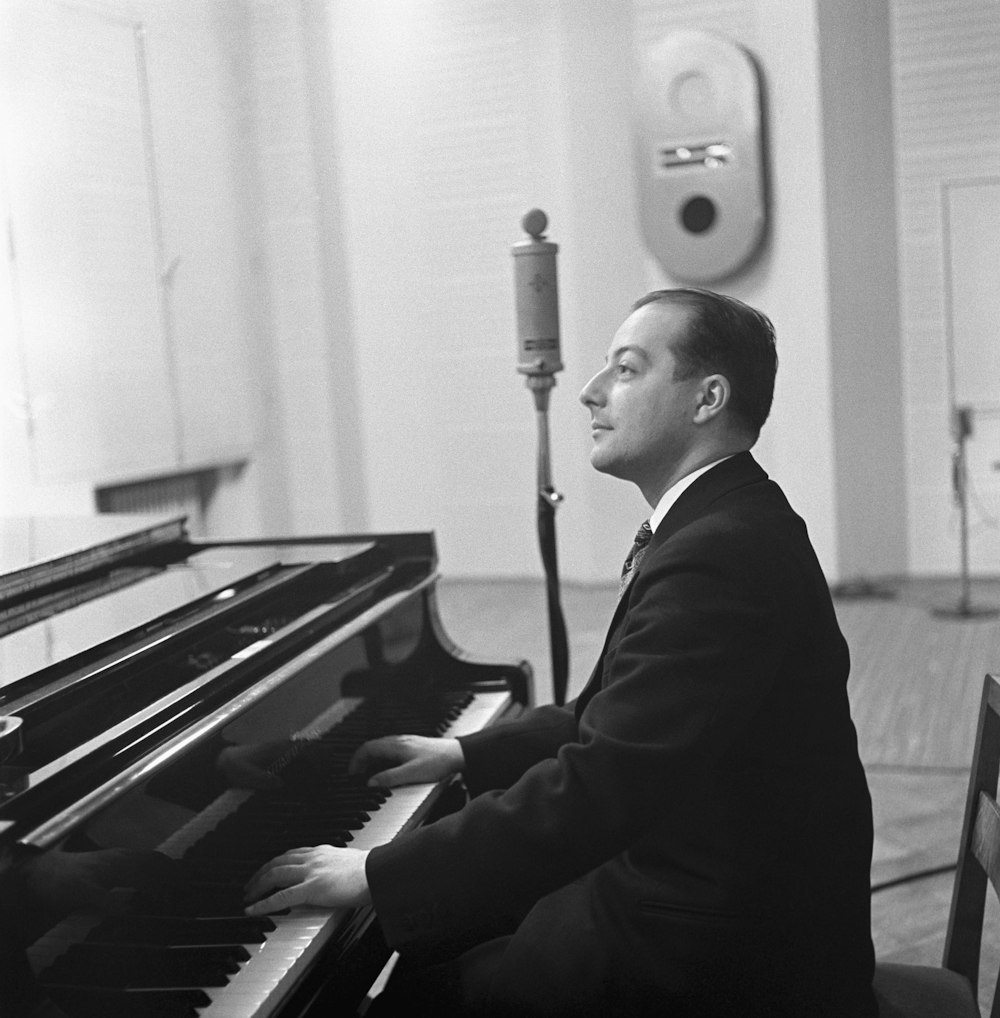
713 395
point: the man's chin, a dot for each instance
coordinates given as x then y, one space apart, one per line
604 463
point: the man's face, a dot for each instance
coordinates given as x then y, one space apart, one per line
641 419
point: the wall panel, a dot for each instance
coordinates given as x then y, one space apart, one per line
946 64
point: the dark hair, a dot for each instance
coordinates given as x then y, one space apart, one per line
727 337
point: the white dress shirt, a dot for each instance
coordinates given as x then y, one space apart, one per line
675 491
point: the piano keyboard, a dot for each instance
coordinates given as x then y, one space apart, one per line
267 968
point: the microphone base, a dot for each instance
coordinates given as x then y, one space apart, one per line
965 611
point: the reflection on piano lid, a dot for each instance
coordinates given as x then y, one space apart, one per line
42 551
182 729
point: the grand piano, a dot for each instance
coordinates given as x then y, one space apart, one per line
173 713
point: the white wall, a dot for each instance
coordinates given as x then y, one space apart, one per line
345 180
455 118
946 71
440 109
126 325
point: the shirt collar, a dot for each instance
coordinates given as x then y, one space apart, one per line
675 491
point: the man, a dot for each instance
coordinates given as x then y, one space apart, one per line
693 835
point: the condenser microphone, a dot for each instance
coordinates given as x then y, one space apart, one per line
536 299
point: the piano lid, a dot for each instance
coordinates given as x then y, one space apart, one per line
208 628
100 593
38 551
135 606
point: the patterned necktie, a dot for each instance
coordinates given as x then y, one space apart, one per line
639 547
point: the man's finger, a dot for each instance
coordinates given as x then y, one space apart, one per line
261 873
392 777
286 897
275 878
358 763
284 871
374 752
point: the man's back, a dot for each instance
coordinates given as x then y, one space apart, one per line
761 804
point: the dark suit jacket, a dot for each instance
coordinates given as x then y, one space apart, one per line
694 834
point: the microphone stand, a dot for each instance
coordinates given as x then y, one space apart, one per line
962 427
548 502
538 341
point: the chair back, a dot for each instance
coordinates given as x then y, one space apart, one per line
979 851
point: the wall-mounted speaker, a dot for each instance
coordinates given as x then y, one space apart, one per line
699 155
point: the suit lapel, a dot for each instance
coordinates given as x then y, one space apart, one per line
736 472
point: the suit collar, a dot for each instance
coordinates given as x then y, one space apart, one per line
674 492
735 472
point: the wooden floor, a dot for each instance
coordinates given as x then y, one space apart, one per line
915 683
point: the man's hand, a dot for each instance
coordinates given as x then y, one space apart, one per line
413 760
323 877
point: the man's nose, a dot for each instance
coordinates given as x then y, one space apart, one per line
591 394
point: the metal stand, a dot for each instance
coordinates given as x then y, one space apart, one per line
965 609
537 297
548 502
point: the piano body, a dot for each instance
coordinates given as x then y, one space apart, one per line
173 714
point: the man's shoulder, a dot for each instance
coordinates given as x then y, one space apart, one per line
738 489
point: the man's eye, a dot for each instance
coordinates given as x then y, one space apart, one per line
624 369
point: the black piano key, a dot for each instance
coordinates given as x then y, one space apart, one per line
232 870
235 875
217 855
167 977
145 966
298 809
274 829
274 826
101 1002
318 794
162 929
208 898
143 956
318 803
287 815
265 837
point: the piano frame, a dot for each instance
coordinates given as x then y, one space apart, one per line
176 693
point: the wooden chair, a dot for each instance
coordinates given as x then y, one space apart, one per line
920 991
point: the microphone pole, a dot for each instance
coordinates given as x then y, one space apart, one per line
965 609
536 295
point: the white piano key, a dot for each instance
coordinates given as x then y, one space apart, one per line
272 972
484 709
